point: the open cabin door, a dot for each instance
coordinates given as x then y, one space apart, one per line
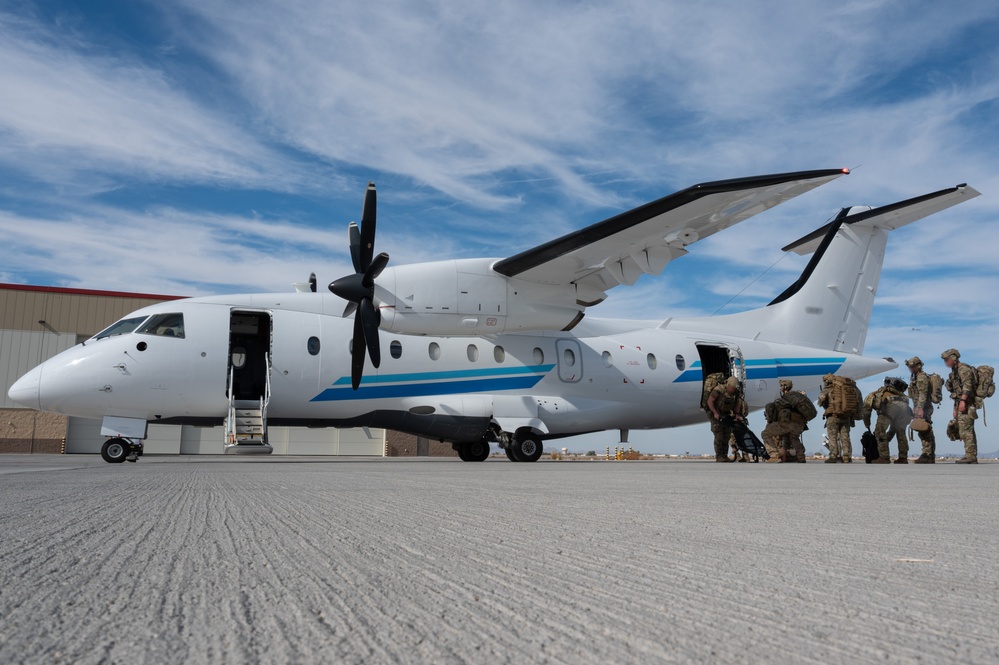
249 349
721 358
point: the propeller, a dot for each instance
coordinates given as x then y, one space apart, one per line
359 289
312 282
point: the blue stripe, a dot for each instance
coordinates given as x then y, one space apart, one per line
774 369
423 389
454 374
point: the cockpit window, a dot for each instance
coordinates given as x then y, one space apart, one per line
122 327
164 325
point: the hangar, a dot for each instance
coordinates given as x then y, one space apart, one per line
38 322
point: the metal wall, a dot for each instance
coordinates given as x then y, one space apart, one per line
21 350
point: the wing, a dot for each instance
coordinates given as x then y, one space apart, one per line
621 249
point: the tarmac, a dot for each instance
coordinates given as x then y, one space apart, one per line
228 560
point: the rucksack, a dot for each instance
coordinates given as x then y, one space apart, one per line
801 404
985 385
843 397
711 382
936 388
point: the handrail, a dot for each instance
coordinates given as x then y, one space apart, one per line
266 399
230 421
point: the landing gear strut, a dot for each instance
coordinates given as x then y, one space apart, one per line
118 450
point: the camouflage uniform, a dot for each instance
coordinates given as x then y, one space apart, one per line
961 384
894 416
922 407
728 405
739 455
838 426
782 436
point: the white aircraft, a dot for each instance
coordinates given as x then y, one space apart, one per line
488 350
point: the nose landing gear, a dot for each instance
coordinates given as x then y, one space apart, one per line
118 450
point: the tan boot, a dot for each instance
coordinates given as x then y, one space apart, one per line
967 460
881 460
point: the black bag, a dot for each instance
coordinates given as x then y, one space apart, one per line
748 442
870 445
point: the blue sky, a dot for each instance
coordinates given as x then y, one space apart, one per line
213 146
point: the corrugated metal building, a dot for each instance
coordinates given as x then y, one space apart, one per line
38 322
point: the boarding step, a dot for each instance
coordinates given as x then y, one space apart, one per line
249 433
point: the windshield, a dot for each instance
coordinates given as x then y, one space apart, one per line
122 327
164 325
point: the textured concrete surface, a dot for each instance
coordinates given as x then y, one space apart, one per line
188 560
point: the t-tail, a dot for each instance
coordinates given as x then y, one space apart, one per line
829 306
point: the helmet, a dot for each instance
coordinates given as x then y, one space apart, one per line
914 361
950 353
828 378
786 384
732 382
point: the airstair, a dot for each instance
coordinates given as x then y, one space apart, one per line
246 423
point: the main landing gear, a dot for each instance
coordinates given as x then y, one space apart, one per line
477 451
118 450
524 446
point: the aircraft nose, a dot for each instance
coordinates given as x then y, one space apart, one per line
25 390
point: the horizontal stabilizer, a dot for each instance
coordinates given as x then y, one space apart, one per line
889 217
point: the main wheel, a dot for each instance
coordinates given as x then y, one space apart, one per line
462 452
477 451
527 448
114 451
510 455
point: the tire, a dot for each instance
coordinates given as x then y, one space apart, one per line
527 449
510 455
477 451
114 451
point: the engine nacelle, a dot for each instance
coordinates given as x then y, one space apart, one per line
466 298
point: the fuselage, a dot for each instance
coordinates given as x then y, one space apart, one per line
605 374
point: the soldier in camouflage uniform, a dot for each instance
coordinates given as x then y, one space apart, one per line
782 436
922 407
838 426
739 455
961 384
894 415
724 407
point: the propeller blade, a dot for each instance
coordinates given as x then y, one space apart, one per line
312 282
369 318
375 269
368 214
354 236
357 354
349 309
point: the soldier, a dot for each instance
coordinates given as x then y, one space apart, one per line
922 407
962 386
783 433
894 415
838 425
739 455
724 407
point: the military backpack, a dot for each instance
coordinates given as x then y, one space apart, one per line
985 385
801 404
936 388
843 397
711 382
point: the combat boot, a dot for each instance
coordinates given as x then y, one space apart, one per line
923 459
722 458
967 460
774 460
833 460
902 460
847 460
881 460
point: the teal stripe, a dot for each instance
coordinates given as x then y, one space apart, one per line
493 372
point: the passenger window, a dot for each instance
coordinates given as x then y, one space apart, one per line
164 325
313 346
608 359
473 353
651 359
499 354
681 363
568 357
122 327
539 356
435 351
395 348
